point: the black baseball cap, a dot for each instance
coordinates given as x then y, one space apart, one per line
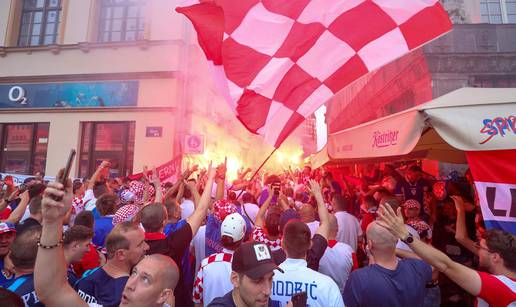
254 260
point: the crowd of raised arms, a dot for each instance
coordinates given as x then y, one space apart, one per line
380 235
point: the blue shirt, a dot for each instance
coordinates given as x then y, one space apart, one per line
173 227
377 286
103 226
23 286
5 277
98 287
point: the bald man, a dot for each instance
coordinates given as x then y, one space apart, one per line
387 281
307 213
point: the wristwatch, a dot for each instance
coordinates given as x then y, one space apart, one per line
409 239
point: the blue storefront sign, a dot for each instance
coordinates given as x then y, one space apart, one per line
69 94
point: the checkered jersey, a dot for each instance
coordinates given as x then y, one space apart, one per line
213 278
260 236
276 62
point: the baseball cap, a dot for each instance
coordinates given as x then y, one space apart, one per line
7 227
254 260
286 216
412 204
233 226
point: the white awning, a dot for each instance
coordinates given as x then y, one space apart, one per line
468 119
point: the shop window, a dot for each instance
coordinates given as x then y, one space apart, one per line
121 20
39 22
111 141
24 148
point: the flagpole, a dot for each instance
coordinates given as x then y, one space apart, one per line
252 177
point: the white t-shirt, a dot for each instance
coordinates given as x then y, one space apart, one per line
90 201
321 290
214 278
252 211
200 249
313 227
187 208
337 262
349 229
404 246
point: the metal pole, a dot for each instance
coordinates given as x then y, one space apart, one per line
252 177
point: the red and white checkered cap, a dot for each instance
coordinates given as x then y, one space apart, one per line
125 213
411 204
223 208
137 188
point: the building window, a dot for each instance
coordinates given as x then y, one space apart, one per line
498 11
121 20
111 141
24 148
39 22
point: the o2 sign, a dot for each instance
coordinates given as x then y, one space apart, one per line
17 94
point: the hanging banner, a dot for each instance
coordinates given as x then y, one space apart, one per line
166 172
494 173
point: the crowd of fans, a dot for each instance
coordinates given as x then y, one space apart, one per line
378 236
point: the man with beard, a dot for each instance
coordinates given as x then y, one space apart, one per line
497 255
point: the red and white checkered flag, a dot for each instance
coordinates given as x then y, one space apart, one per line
276 62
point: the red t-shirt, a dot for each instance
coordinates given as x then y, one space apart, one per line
496 291
367 219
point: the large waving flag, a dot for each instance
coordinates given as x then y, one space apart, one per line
277 61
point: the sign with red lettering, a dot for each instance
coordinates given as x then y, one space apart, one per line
166 172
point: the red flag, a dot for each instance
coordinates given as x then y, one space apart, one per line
276 62
494 172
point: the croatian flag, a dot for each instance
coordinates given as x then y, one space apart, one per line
494 173
277 61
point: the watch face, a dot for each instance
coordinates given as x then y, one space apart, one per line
410 239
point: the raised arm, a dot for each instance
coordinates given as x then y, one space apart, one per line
463 276
461 233
50 280
157 186
95 176
199 215
17 214
221 180
7 199
190 185
324 215
260 216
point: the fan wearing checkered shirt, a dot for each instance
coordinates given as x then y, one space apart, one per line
213 279
270 234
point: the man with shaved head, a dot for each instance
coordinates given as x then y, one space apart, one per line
307 213
393 282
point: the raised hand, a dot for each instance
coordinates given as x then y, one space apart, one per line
459 202
54 211
315 187
392 221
